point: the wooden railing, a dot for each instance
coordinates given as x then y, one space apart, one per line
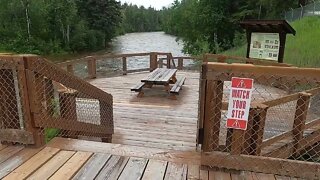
155 61
47 97
250 146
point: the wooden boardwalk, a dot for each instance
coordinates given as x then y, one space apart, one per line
154 120
79 159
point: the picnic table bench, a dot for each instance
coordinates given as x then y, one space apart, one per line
161 76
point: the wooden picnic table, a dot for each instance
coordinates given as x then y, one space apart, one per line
161 76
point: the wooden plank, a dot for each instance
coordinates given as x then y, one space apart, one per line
176 171
124 66
8 152
219 175
262 176
311 73
204 174
299 121
126 150
282 177
176 87
2 146
113 168
258 130
152 75
278 166
193 172
212 116
59 75
92 168
70 168
167 77
249 175
67 124
236 176
32 164
15 161
155 170
48 169
134 169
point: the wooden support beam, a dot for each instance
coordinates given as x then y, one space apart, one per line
92 68
212 115
70 68
300 120
106 118
258 130
124 66
284 167
17 136
180 63
153 61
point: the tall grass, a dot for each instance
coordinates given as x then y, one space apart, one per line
301 50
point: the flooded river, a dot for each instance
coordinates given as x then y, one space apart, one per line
139 43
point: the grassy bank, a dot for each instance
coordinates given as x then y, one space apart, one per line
302 49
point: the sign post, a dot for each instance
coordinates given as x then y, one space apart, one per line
266 38
239 103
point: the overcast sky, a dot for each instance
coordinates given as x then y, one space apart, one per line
158 4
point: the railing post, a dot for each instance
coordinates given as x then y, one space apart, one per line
259 121
153 61
169 58
235 141
68 109
70 68
212 115
92 68
124 65
106 113
32 94
160 63
180 63
300 120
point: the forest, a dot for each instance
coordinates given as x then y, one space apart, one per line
72 26
69 26
213 25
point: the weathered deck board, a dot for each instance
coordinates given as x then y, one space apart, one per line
154 120
32 164
52 165
74 162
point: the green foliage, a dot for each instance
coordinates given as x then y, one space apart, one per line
140 19
302 49
212 25
51 133
57 26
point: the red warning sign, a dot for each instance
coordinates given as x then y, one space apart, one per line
239 103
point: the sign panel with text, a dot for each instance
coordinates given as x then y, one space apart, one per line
265 46
239 103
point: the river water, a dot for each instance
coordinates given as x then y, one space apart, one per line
139 43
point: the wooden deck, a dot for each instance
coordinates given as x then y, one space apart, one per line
79 159
154 120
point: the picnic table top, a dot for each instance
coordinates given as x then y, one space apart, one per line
160 75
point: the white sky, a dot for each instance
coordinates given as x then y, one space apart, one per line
158 4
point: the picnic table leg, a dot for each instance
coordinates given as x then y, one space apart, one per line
140 94
167 87
174 79
173 97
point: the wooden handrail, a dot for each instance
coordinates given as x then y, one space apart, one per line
223 58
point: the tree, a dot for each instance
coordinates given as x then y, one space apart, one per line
102 15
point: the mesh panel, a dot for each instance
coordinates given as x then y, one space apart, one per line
47 101
284 117
68 104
